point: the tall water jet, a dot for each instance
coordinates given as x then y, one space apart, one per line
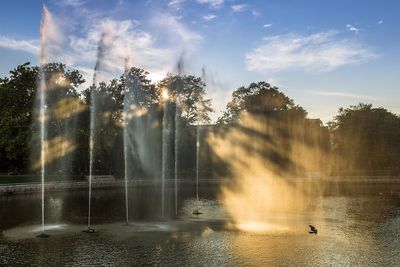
177 131
42 115
100 55
199 111
197 210
198 115
125 136
197 160
176 148
165 138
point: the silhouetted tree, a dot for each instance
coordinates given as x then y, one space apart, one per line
366 139
258 97
17 94
285 137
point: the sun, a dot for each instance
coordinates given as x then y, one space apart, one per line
165 94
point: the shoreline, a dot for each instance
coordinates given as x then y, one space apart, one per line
35 187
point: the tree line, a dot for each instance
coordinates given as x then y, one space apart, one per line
360 139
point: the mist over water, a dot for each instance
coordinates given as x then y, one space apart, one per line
265 185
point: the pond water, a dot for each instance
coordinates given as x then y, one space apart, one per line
353 230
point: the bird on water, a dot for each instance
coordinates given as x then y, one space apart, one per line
313 229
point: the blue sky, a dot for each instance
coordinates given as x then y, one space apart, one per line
323 54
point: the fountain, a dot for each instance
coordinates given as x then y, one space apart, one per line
125 133
256 191
197 160
176 154
42 115
100 56
165 146
177 129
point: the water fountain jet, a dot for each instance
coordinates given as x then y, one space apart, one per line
125 136
100 56
165 138
42 89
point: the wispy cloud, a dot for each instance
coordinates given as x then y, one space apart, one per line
255 13
209 17
177 30
345 95
267 25
212 3
176 3
125 39
239 8
380 22
156 53
352 28
72 3
30 46
323 51
122 40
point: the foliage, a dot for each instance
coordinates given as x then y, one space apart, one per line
367 138
188 93
17 95
258 97
362 137
138 87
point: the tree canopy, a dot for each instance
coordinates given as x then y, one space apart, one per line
366 138
188 93
258 97
361 136
17 94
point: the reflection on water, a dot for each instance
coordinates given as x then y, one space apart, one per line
358 230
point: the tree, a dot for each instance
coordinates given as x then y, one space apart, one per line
17 95
139 88
366 139
259 97
188 93
58 76
63 109
267 124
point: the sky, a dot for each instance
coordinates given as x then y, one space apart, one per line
322 54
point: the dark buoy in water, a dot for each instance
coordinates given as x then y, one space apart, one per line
89 230
43 235
313 230
196 212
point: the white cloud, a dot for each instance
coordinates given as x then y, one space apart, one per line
267 25
255 13
125 40
122 40
176 3
176 30
352 28
72 3
323 51
239 8
209 17
380 22
157 52
30 46
212 3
